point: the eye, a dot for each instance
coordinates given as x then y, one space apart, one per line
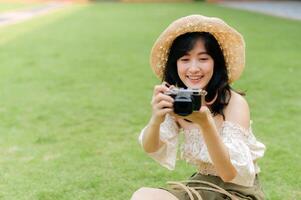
204 58
184 59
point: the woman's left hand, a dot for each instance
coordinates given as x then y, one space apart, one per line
201 117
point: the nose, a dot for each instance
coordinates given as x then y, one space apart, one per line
194 67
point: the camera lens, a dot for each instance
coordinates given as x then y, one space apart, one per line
183 106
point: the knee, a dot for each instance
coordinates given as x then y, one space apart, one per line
140 194
146 193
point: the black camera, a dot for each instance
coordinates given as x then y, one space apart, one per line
186 100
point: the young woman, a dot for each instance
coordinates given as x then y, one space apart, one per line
202 53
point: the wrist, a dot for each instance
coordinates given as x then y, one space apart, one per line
154 121
206 122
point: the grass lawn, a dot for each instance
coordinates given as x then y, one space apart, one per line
75 91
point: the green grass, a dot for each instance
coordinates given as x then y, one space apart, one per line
75 89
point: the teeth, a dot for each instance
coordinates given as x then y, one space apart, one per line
194 78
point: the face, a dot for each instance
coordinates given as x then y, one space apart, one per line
195 69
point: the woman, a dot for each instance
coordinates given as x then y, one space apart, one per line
202 53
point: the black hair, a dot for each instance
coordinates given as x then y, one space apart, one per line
218 86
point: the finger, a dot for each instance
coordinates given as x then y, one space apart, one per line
166 84
178 116
160 97
187 119
164 104
172 87
204 109
160 89
165 111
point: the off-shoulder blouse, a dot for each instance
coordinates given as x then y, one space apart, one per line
244 150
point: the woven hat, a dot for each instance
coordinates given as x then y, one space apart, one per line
231 43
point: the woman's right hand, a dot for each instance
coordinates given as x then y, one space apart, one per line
161 103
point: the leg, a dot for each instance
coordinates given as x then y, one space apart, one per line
146 193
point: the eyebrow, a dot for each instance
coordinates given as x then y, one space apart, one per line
203 52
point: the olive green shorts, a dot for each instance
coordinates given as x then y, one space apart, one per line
198 183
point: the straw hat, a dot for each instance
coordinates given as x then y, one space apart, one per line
230 41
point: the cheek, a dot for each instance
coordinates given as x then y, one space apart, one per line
208 69
181 70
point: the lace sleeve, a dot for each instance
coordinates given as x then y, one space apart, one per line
167 154
257 148
237 140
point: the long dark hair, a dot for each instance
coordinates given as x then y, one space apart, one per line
218 86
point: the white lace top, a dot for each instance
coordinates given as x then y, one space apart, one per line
242 146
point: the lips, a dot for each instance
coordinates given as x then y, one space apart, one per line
194 78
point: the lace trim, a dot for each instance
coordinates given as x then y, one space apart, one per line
229 126
193 143
194 149
168 128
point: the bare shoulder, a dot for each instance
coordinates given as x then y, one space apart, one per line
238 111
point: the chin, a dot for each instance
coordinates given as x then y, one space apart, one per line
195 86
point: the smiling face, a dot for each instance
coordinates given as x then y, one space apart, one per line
195 68
196 60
